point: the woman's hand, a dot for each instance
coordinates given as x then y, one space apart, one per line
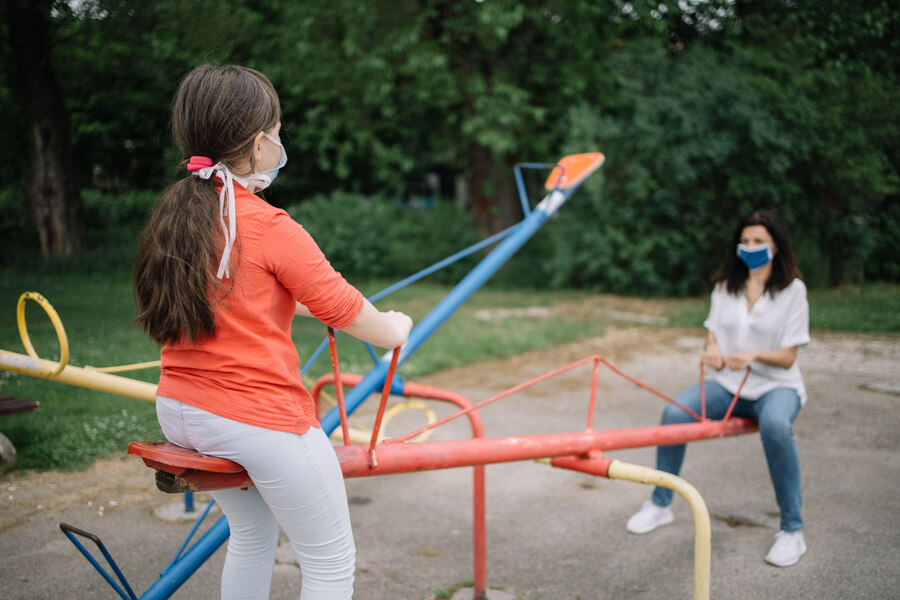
741 360
782 358
712 356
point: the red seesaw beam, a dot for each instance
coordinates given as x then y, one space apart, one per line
425 456
411 457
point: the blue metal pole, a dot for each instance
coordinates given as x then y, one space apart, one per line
180 571
465 288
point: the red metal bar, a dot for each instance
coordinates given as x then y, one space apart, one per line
503 394
592 464
737 395
479 508
338 388
702 393
479 511
428 456
650 389
385 392
544 377
593 401
425 456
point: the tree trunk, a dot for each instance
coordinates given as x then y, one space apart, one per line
52 192
494 196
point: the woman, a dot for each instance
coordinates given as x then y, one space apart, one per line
758 318
219 276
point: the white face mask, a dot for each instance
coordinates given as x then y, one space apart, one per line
261 181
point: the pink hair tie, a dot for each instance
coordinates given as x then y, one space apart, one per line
197 163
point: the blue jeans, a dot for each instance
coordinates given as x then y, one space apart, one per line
775 412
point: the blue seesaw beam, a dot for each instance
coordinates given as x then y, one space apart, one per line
483 271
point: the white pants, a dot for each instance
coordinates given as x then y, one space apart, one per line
299 486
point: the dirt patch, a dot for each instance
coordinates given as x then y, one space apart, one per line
108 485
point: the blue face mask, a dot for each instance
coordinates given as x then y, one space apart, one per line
755 257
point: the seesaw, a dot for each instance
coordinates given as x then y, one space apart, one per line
185 471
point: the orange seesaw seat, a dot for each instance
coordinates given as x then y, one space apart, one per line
180 470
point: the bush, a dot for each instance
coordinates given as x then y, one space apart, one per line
17 237
112 225
377 238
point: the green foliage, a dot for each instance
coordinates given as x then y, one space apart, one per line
17 238
871 308
368 238
704 109
697 139
113 223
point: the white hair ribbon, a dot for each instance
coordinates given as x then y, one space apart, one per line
226 194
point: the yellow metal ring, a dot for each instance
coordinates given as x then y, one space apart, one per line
57 325
409 405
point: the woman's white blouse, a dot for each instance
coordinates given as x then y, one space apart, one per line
779 322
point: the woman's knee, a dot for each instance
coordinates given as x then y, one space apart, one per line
689 398
777 413
673 415
775 428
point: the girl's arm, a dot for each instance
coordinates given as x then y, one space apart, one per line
302 311
385 329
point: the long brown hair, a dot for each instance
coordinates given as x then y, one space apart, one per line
216 113
734 273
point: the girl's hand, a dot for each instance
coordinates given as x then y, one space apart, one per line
740 360
387 329
402 323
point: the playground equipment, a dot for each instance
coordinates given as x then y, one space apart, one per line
180 470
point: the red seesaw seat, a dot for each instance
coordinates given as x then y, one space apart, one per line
180 470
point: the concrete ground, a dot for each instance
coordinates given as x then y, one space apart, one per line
552 534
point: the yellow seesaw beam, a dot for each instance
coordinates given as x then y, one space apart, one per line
100 378
31 364
82 377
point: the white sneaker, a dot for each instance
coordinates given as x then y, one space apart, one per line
649 518
789 546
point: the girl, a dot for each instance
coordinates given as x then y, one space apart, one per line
759 317
219 276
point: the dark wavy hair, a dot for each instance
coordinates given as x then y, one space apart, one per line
734 273
216 113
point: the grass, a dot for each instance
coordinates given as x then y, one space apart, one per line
75 426
872 308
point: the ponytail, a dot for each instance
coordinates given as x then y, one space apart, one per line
174 277
216 113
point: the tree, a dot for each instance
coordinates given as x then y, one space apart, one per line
385 93
52 193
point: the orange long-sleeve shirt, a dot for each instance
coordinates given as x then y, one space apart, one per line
250 371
